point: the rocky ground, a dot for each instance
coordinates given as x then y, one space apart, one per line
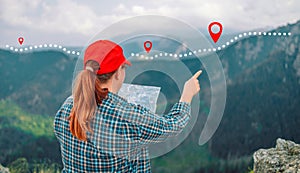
285 158
3 169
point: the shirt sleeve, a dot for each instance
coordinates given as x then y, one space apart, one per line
153 128
61 117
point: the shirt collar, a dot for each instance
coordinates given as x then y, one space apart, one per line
115 97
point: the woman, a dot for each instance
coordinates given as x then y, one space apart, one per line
99 131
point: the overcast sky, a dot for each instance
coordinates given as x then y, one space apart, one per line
74 22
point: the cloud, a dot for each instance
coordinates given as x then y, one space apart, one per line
89 17
71 16
234 14
64 16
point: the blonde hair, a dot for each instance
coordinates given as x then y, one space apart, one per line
87 93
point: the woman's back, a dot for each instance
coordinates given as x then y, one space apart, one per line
99 131
121 132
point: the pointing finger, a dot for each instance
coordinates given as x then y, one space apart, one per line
197 74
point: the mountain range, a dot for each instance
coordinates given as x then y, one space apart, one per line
263 99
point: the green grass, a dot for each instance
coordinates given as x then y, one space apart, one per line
14 117
188 157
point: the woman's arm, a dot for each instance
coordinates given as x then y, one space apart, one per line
155 128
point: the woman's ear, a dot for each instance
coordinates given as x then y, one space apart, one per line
117 74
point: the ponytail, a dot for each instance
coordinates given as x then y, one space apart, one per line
87 94
84 104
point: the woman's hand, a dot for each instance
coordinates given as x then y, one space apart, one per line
191 88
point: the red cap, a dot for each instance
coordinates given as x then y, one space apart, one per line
108 54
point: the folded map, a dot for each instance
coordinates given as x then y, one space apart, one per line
140 94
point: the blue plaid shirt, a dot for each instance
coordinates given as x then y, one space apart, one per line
121 134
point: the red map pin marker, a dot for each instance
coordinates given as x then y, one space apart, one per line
215 36
148 48
21 40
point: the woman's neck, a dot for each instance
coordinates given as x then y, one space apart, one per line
110 87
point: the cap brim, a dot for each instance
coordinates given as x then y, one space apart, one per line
127 62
